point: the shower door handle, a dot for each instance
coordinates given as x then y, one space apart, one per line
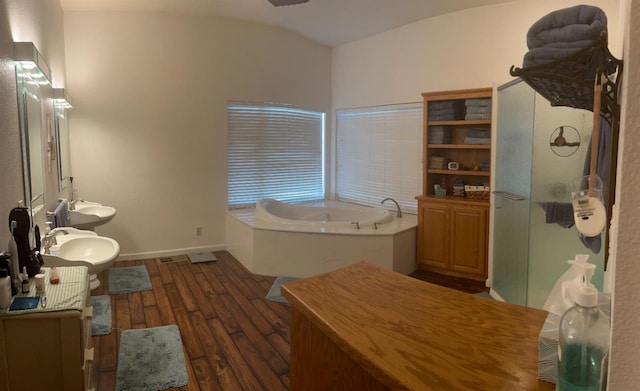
509 196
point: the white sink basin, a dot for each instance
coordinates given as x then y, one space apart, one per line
94 249
88 215
80 247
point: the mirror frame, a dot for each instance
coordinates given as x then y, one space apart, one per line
61 103
28 90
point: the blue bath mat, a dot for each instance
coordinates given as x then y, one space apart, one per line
101 321
129 279
151 359
274 292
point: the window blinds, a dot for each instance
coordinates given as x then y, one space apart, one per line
274 152
378 154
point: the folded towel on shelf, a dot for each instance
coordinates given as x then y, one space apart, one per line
445 117
477 116
444 111
477 140
478 133
443 105
478 102
563 33
479 110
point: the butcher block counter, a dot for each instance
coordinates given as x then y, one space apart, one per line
366 328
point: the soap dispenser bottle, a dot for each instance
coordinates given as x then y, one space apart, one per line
583 343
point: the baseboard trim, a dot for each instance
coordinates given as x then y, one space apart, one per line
169 253
495 295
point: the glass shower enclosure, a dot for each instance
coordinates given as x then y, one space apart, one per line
540 152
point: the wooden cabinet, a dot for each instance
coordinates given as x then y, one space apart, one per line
49 348
452 238
453 227
362 327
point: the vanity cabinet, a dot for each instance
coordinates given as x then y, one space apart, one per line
452 237
49 348
453 209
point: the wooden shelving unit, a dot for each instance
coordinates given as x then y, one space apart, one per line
453 229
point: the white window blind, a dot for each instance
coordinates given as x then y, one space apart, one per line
378 154
274 152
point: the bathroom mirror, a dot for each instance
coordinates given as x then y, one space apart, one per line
30 113
61 103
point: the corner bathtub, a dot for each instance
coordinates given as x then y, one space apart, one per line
279 239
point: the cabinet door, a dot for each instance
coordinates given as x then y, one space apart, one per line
433 234
469 239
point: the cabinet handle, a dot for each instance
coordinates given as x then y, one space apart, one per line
509 196
87 312
88 355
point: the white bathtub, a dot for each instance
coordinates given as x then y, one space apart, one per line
325 214
278 239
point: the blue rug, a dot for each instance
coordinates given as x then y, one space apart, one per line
151 359
129 279
101 321
274 292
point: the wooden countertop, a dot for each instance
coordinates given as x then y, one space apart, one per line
413 335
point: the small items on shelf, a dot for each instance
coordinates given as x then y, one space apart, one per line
477 192
458 188
437 162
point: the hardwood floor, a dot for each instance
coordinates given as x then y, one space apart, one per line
234 339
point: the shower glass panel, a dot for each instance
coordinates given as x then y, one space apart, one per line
516 108
529 253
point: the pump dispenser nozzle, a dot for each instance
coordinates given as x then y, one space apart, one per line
587 294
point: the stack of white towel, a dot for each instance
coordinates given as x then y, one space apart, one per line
477 136
478 108
438 135
446 110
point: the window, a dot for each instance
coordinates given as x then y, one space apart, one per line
378 154
274 151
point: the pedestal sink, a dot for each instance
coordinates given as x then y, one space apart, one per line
81 247
88 215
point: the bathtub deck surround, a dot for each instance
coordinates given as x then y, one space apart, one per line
279 245
344 335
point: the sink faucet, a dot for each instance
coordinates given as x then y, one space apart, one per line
50 239
399 214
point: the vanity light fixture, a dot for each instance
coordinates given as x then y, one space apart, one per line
32 62
62 99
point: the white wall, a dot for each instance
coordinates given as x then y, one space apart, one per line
148 133
625 352
467 49
39 22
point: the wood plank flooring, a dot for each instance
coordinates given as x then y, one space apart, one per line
234 339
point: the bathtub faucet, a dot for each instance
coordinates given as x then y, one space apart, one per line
399 214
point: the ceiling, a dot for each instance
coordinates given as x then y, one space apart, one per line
329 22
